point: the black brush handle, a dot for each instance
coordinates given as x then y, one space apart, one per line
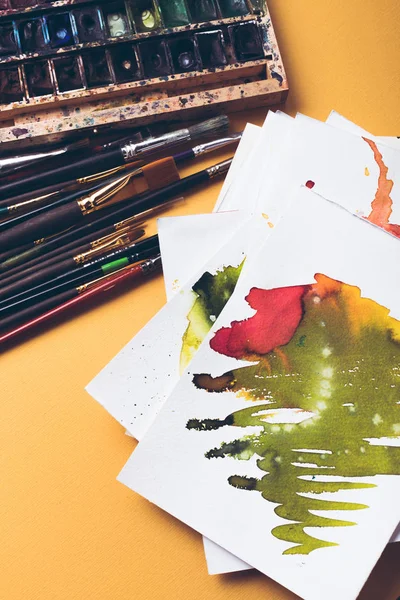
34 310
36 277
36 296
74 247
81 168
69 271
42 225
92 224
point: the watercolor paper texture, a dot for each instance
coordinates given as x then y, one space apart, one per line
240 163
247 449
244 193
337 120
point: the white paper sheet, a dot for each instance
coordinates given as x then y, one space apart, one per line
169 467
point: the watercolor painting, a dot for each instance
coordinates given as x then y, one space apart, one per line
211 293
323 389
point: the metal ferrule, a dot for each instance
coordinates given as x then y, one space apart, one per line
150 265
151 145
216 144
97 199
108 244
103 174
220 169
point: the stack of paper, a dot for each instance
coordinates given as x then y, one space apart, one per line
266 392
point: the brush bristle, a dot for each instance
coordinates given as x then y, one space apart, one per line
212 127
160 173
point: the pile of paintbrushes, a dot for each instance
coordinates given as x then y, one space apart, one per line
74 219
266 393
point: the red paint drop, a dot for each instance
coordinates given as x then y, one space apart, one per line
310 184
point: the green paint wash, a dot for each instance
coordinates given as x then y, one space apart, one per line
211 293
115 265
342 365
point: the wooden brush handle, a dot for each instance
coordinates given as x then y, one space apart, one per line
24 315
29 281
45 224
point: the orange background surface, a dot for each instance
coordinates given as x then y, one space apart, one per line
68 529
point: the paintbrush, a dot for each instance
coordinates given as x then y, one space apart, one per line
55 191
69 259
101 193
100 226
13 268
115 157
80 209
190 154
98 267
67 214
80 295
11 164
28 231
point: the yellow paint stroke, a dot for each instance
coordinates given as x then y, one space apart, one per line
367 173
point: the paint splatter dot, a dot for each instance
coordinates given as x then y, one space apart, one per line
367 173
377 419
310 184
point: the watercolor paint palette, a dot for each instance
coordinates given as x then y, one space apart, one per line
158 57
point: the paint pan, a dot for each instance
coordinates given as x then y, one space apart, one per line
60 30
96 66
68 73
8 41
145 15
174 13
116 19
247 41
125 63
10 85
233 8
155 58
212 49
31 35
184 54
203 10
89 25
38 78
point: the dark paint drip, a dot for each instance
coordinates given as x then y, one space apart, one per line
209 424
337 374
223 383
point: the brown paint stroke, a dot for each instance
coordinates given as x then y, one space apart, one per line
382 204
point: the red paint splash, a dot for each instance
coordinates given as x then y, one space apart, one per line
278 315
310 184
382 204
